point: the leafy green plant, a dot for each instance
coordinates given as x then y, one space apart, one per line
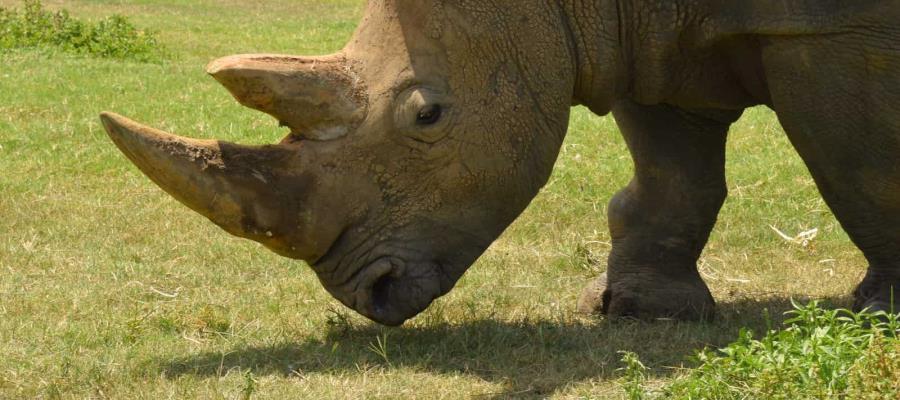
635 376
820 354
380 348
249 387
32 26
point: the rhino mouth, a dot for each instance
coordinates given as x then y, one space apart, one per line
391 290
396 298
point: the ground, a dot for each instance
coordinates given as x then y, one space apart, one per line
110 288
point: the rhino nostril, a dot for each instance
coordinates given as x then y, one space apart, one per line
380 293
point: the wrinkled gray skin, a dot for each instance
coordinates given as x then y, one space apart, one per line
413 148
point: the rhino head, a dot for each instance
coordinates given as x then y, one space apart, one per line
409 152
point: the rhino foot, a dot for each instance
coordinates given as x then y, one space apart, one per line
877 295
648 298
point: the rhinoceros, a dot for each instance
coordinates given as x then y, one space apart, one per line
413 148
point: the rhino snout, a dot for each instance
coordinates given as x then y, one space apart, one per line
390 291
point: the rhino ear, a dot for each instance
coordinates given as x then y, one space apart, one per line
317 97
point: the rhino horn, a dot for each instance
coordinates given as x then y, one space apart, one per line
235 186
319 97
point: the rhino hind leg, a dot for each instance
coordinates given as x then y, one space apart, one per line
843 117
661 221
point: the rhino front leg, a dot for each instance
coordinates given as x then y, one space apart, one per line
661 221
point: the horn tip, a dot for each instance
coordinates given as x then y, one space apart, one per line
116 124
229 63
216 66
109 116
111 121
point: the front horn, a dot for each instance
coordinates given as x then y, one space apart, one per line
237 187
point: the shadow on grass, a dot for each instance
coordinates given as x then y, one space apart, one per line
531 358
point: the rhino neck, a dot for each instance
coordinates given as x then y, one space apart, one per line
599 42
645 50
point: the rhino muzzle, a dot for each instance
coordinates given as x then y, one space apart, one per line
391 290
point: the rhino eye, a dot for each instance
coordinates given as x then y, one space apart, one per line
429 115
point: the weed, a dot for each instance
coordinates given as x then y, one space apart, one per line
212 320
379 347
249 386
635 375
32 26
339 321
820 354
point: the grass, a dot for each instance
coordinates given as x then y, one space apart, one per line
32 26
821 354
111 289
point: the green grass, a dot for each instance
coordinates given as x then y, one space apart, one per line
34 27
111 289
821 354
